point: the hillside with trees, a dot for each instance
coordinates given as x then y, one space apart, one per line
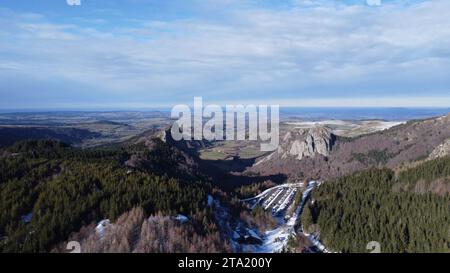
392 148
377 205
49 190
133 232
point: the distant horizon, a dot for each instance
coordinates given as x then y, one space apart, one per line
168 109
305 113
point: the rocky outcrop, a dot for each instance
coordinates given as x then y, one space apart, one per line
304 143
441 150
307 143
163 135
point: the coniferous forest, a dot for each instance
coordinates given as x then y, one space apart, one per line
49 190
407 212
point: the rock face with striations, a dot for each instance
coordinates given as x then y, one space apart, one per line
300 144
304 143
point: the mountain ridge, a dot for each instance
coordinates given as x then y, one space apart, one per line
390 148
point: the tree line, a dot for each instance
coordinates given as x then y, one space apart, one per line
353 210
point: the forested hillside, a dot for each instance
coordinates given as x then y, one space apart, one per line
376 205
392 148
10 135
49 189
134 232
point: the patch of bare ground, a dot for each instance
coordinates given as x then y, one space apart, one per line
440 186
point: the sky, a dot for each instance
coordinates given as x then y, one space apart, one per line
158 53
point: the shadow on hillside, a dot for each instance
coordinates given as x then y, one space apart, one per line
228 174
232 182
232 165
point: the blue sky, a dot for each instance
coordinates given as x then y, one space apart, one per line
149 53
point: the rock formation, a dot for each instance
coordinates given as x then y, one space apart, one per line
304 143
441 150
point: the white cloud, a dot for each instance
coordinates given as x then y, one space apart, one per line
312 50
373 2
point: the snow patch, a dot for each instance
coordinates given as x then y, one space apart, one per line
27 218
181 218
253 234
210 200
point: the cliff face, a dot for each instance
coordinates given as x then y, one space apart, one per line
300 144
304 144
